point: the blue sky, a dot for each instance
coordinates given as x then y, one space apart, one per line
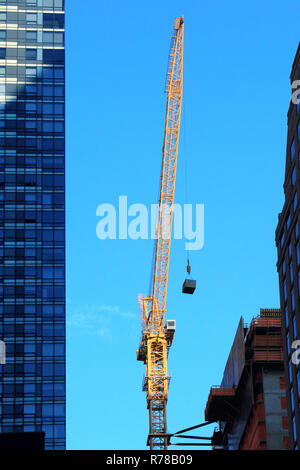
237 63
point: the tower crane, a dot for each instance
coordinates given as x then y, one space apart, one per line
156 336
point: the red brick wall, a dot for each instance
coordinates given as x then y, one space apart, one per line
255 433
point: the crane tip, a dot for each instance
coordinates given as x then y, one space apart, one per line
178 22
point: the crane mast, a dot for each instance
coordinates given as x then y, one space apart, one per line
156 337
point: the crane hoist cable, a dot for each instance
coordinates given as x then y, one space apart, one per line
188 267
189 284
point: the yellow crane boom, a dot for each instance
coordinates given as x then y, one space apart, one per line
157 337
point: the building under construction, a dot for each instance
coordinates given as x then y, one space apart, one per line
250 404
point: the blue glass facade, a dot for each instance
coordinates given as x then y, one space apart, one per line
32 218
288 264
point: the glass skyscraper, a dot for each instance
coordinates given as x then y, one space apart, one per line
288 264
32 218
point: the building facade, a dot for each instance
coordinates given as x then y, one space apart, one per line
288 264
250 404
32 218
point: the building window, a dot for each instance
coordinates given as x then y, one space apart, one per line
292 149
53 56
294 327
290 373
30 72
31 54
291 273
290 250
293 300
2 17
288 222
30 108
296 231
282 240
292 399
295 202
2 35
31 18
58 38
286 316
31 36
297 253
53 37
48 37
298 382
284 290
30 90
288 343
283 268
294 428
53 20
2 52
294 176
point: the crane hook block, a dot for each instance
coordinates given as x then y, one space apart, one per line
189 286
188 268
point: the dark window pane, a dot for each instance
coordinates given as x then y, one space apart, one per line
53 20
31 54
